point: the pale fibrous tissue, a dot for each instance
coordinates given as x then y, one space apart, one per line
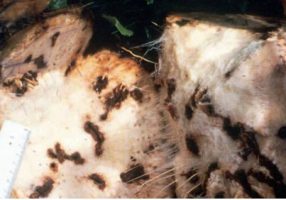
209 123
229 73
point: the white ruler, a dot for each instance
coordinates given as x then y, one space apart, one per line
13 139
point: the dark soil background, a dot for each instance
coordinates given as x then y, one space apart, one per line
146 19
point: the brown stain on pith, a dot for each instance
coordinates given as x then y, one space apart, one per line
98 180
188 112
114 99
61 155
70 67
278 186
282 133
137 95
172 111
241 177
232 130
192 145
40 62
134 174
100 84
171 88
54 167
97 136
28 59
43 190
192 176
54 38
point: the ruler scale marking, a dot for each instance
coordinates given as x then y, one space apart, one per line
13 139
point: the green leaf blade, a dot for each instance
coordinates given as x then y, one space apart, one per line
149 2
58 4
115 22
